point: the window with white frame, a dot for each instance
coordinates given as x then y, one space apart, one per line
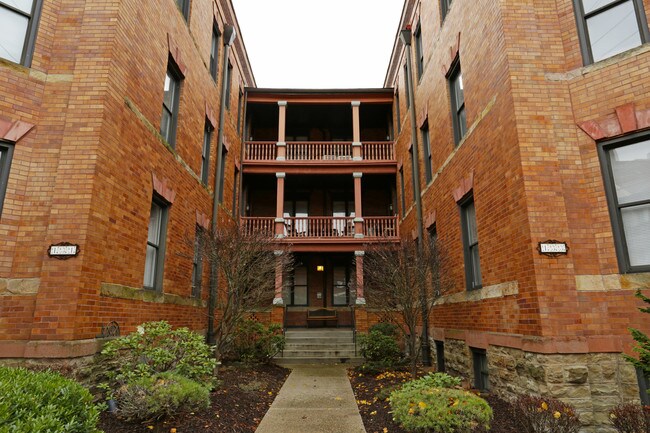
626 168
155 257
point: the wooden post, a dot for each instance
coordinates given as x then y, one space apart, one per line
358 219
281 145
356 132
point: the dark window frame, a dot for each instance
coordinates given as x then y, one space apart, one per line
177 77
229 84
470 278
30 32
403 190
445 5
419 51
459 126
406 88
214 51
240 107
426 145
397 112
159 266
197 262
612 201
481 369
583 33
347 284
5 166
222 163
293 285
205 153
184 7
440 355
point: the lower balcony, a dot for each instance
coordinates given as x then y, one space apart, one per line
322 227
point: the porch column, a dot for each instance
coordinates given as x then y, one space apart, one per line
281 149
279 207
358 255
358 219
356 132
277 299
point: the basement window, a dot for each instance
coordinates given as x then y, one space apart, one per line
481 375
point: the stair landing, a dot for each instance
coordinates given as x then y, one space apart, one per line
319 346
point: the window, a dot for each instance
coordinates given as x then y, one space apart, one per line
470 244
397 113
403 191
298 212
170 104
214 52
6 152
412 171
234 192
406 87
419 53
228 85
644 386
433 235
426 143
197 263
296 290
341 293
457 94
444 8
222 163
184 7
481 377
240 100
626 168
153 267
440 356
19 22
205 154
609 27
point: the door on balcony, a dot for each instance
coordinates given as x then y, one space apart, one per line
296 213
342 210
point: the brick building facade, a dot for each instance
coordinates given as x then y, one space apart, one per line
519 132
530 123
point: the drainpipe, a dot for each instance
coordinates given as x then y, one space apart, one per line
229 35
405 36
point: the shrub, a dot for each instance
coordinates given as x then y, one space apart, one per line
545 415
156 348
379 349
385 328
630 418
44 402
440 410
160 395
255 342
433 380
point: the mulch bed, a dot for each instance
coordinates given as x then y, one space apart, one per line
238 405
372 390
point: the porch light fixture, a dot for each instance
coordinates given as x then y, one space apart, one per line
320 268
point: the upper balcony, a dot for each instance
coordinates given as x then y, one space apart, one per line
310 132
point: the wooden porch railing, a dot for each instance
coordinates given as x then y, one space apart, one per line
377 151
380 227
264 225
318 151
319 227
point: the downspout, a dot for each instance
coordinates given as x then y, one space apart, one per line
229 35
405 36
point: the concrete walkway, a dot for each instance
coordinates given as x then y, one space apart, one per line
314 399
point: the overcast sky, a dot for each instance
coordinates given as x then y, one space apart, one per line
319 44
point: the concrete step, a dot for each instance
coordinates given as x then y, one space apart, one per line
322 340
317 345
288 362
317 333
323 353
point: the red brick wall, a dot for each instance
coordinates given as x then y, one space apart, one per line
84 174
536 175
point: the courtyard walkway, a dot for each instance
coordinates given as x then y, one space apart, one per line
314 399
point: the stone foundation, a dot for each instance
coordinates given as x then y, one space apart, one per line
592 382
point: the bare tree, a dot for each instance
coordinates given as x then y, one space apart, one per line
402 283
246 263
